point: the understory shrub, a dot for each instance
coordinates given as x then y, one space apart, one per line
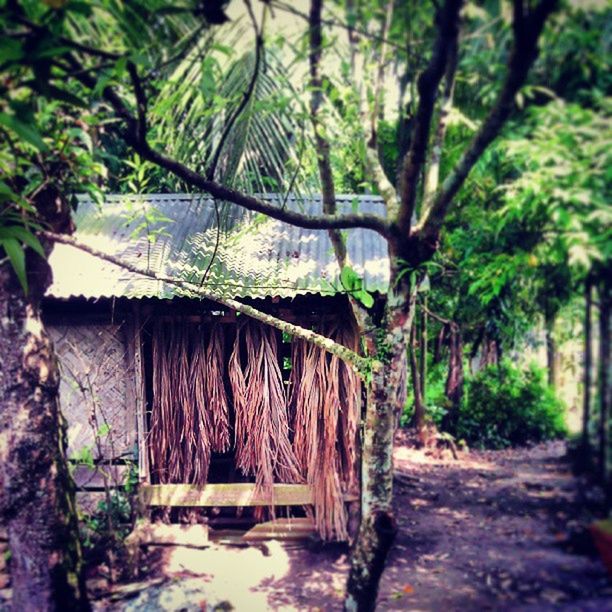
507 406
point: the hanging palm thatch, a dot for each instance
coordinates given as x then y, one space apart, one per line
216 396
263 448
190 413
324 395
191 417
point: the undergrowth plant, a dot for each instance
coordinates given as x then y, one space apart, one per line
508 406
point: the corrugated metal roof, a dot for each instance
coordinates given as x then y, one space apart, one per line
175 235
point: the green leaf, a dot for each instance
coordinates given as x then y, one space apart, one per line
10 50
350 280
23 235
103 430
6 193
17 258
24 131
66 96
50 52
365 298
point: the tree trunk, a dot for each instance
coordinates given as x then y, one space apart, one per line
38 499
423 350
386 395
454 380
418 419
439 344
605 295
490 351
588 364
551 350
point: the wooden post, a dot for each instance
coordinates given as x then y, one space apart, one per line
135 343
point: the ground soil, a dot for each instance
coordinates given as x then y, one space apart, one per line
499 530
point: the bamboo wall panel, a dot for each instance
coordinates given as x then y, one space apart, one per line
97 380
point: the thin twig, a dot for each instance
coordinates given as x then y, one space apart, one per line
248 94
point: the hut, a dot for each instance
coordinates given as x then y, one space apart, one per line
223 419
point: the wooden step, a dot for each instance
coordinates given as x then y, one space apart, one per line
282 529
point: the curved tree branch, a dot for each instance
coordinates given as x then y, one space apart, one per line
322 144
448 31
373 164
527 27
432 176
362 365
144 149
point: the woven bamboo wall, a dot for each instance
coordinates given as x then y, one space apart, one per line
97 380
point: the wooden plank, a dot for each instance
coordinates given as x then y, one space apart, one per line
282 529
224 495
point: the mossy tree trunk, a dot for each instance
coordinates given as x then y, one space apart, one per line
386 396
37 493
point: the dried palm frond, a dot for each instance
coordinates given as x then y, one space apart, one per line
350 410
263 448
161 410
216 396
324 394
180 429
202 418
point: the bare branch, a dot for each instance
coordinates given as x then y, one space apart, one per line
283 6
432 176
527 27
216 190
316 99
447 20
361 364
141 102
373 164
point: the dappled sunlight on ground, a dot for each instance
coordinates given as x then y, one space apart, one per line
490 531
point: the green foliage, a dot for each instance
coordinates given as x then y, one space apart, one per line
506 406
353 284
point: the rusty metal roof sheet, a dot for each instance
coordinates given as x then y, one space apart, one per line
176 234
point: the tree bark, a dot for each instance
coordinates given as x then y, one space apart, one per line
551 350
588 364
454 380
418 419
423 350
386 395
37 501
605 295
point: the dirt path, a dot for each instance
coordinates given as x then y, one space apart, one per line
490 531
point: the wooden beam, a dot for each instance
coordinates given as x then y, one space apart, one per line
225 495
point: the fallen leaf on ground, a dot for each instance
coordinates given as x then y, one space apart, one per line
408 589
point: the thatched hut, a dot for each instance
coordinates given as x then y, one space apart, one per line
225 419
